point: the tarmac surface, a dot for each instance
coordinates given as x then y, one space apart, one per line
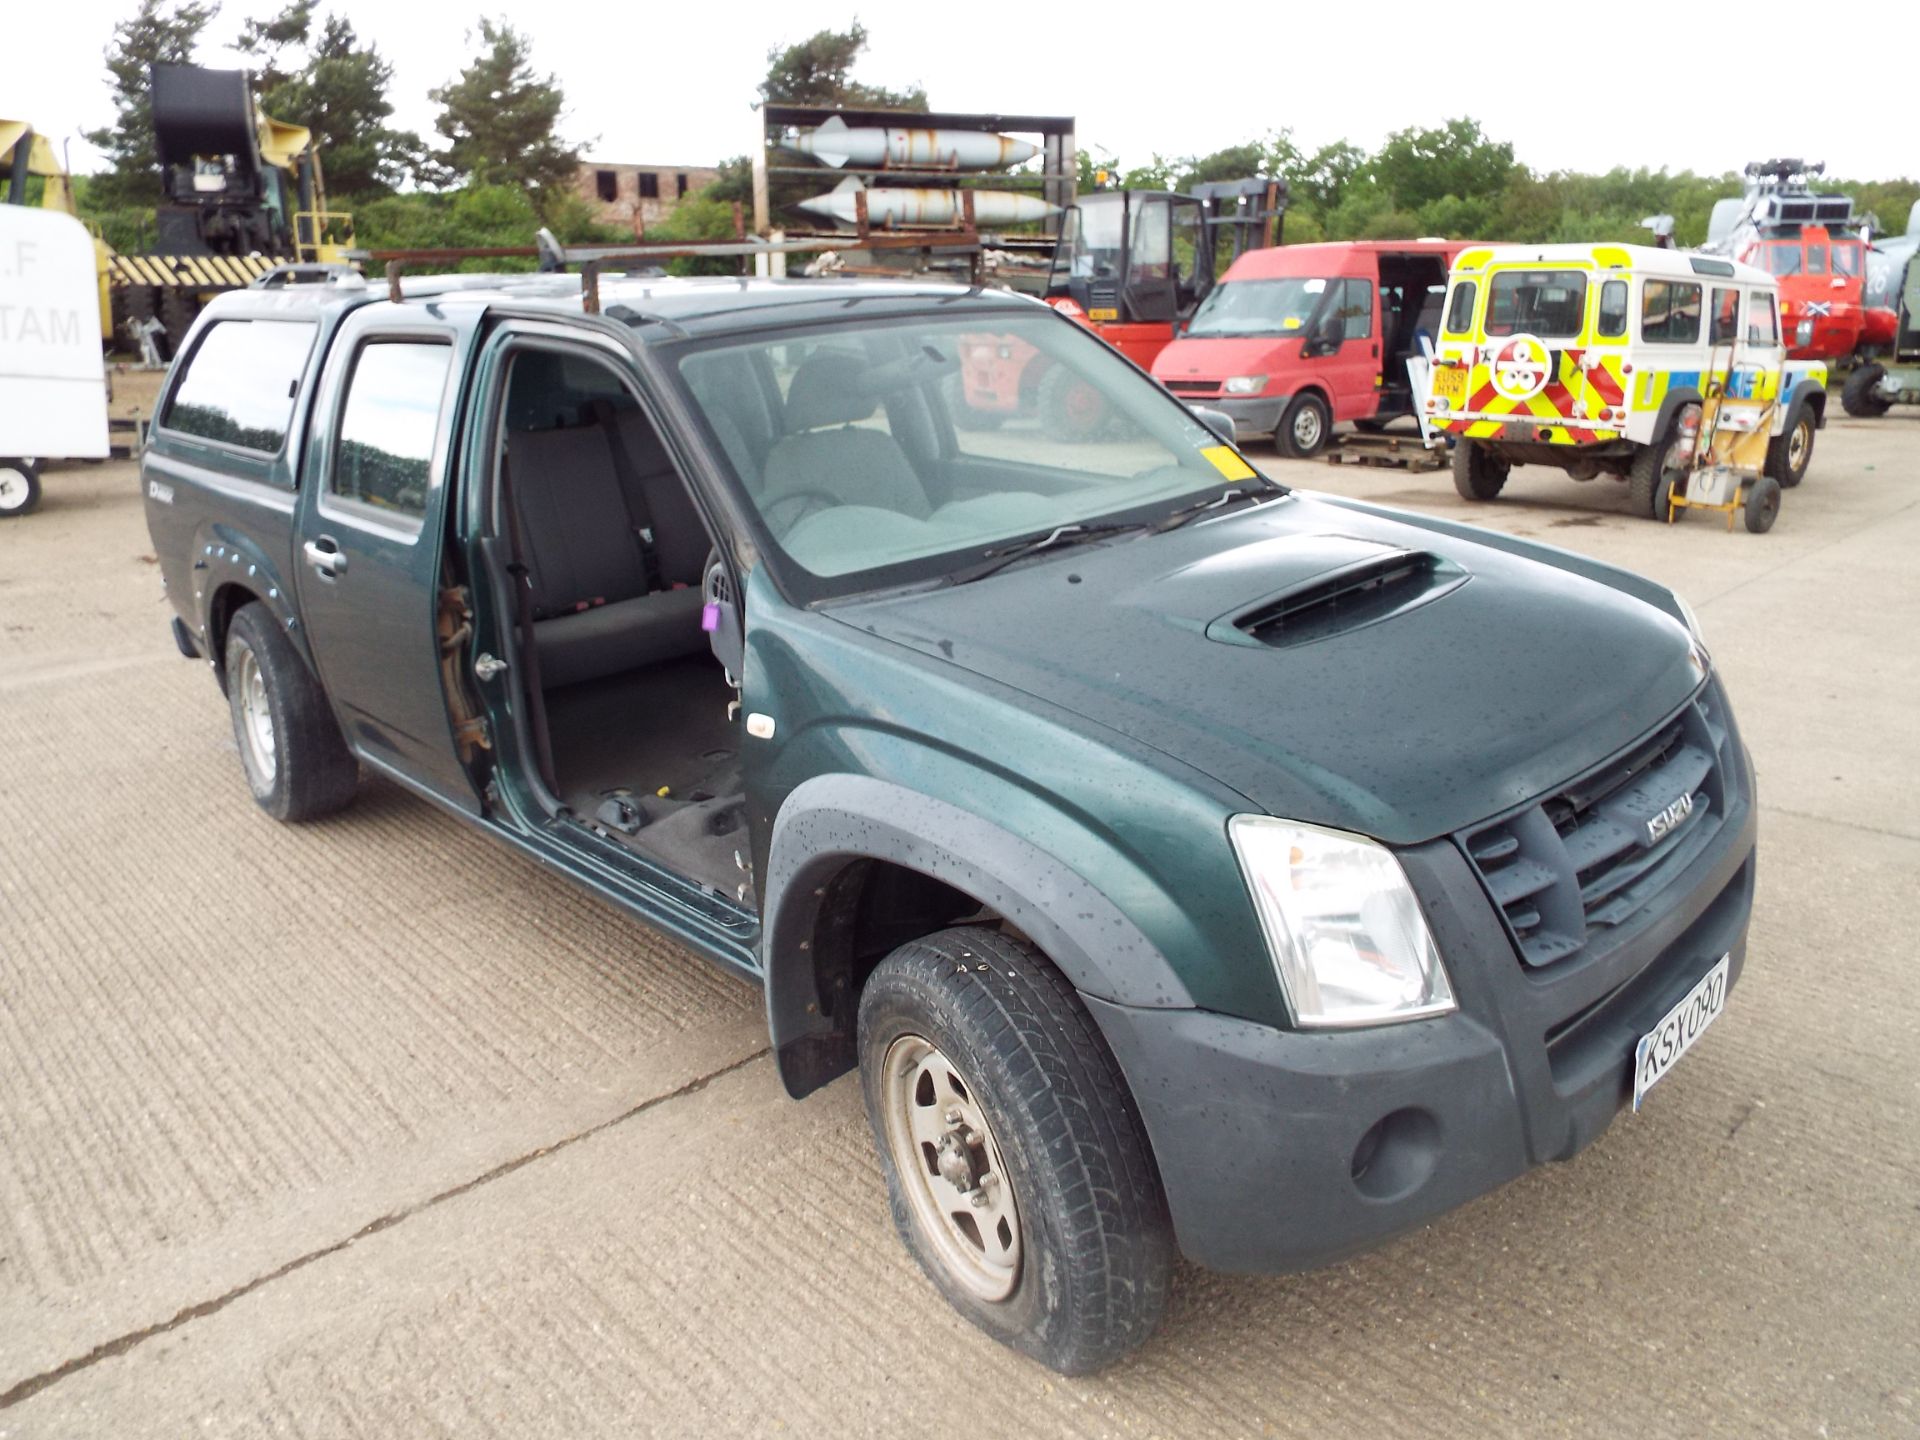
371 1127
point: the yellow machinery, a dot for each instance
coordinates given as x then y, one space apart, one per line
25 153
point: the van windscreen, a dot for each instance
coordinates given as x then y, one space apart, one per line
1537 302
1259 307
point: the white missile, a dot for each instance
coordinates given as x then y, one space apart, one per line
891 206
836 143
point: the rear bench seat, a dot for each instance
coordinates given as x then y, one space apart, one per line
593 613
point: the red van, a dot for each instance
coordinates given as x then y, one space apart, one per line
1295 339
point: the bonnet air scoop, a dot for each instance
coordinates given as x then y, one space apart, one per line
1362 592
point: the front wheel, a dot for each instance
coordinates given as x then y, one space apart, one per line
1791 451
1018 1170
1304 427
1857 398
19 488
297 765
1477 474
1763 505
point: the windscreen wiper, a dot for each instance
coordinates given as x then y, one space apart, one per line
1058 538
1231 495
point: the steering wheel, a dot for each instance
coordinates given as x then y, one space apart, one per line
819 499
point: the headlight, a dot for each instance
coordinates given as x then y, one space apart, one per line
1244 384
1702 656
1342 924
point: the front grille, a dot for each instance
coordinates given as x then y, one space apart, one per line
1592 856
1194 387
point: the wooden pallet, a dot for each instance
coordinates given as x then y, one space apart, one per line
1401 452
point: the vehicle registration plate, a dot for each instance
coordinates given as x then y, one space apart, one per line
1663 1045
1450 382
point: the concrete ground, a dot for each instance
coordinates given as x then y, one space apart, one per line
372 1128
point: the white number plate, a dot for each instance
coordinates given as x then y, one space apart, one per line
1661 1046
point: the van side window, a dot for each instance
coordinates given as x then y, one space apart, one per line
1670 313
1460 307
1356 309
384 455
1613 310
1763 323
1726 317
239 384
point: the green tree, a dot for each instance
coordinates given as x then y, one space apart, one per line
337 88
1418 165
500 120
819 71
156 33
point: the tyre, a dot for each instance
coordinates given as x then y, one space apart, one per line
1304 427
1018 1171
1791 451
1070 408
19 488
1478 474
1858 399
297 764
1763 504
1663 510
1649 479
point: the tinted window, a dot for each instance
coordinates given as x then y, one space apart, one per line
1782 259
1763 324
1613 309
1846 257
1537 302
387 427
1670 313
240 382
1816 259
1460 308
1726 317
1357 311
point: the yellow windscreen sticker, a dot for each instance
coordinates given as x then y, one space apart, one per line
1228 463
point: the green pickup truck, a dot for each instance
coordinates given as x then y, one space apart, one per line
1186 864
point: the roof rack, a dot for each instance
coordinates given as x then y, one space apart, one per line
596 260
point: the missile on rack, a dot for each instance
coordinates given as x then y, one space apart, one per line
889 205
836 143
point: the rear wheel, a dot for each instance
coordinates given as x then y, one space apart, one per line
1650 479
1791 451
1070 408
1858 399
19 488
1018 1171
1304 427
297 765
1763 504
1477 473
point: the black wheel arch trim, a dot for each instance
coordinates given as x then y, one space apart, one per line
832 821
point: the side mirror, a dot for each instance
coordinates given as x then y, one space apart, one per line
1330 331
1218 421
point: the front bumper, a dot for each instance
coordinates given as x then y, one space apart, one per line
1283 1149
1253 418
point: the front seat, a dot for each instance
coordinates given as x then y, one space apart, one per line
826 454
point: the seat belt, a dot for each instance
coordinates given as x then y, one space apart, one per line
529 648
632 494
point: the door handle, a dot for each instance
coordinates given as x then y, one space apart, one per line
325 556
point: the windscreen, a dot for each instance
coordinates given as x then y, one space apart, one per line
1094 242
1259 307
1548 303
897 450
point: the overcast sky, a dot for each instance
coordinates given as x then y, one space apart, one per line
672 82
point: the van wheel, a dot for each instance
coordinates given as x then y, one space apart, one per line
1857 397
19 488
1304 427
298 766
1478 474
1018 1171
1791 451
1649 478
1763 505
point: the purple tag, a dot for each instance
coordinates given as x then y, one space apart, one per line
710 616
